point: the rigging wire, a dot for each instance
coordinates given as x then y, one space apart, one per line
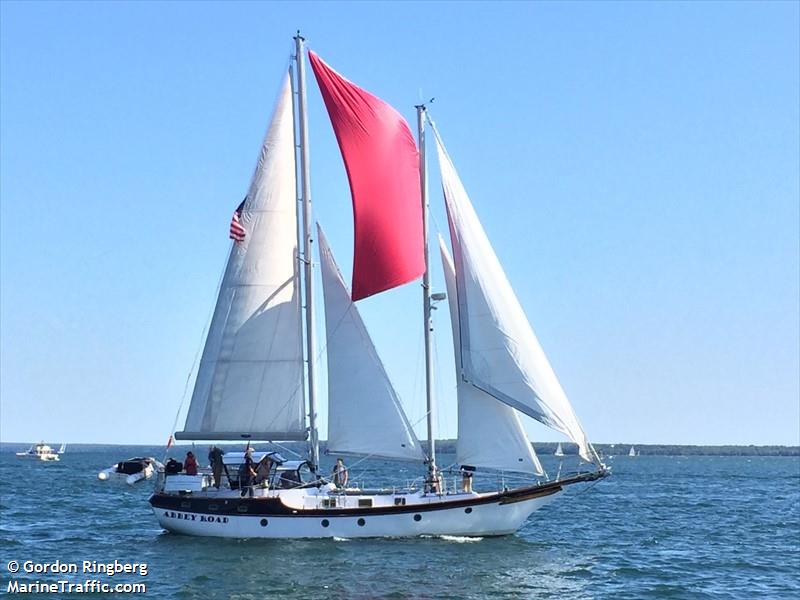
289 450
197 354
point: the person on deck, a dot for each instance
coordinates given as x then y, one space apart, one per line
262 471
215 460
340 474
190 464
247 473
466 479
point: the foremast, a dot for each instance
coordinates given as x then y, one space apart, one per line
307 258
433 475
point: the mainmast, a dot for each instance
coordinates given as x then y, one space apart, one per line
426 303
305 187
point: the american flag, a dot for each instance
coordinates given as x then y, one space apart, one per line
238 232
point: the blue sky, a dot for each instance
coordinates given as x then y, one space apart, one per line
634 164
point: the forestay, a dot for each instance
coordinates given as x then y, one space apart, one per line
490 434
499 350
250 380
365 416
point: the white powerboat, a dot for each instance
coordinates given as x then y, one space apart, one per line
131 470
43 452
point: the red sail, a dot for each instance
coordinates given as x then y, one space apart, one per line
382 164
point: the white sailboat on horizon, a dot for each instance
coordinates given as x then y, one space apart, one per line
257 376
559 451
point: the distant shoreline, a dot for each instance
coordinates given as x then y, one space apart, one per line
542 448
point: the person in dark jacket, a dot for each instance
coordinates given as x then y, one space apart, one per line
247 473
215 460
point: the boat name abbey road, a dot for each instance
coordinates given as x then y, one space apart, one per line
189 517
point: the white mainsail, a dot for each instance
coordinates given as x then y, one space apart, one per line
365 416
499 351
490 434
250 379
559 450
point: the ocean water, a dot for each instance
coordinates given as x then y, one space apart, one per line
660 527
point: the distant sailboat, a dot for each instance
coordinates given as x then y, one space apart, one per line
254 377
632 451
559 451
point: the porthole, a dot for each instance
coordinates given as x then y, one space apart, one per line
361 522
325 522
467 510
264 522
242 508
213 507
418 517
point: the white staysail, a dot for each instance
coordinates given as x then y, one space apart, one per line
490 434
250 380
499 351
365 416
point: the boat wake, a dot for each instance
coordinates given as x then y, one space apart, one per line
458 539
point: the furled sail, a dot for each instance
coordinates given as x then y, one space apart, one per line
364 412
499 350
490 433
250 380
382 163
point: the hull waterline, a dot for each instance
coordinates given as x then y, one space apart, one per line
483 520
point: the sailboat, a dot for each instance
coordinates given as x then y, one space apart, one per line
559 451
632 451
256 381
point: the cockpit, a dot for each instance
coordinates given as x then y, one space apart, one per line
293 474
283 474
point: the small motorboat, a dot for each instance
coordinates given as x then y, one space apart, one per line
131 470
42 451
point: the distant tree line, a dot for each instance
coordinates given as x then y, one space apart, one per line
545 448
449 447
674 450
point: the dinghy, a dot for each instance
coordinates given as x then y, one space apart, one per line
132 470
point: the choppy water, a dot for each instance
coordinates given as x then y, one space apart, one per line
661 527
